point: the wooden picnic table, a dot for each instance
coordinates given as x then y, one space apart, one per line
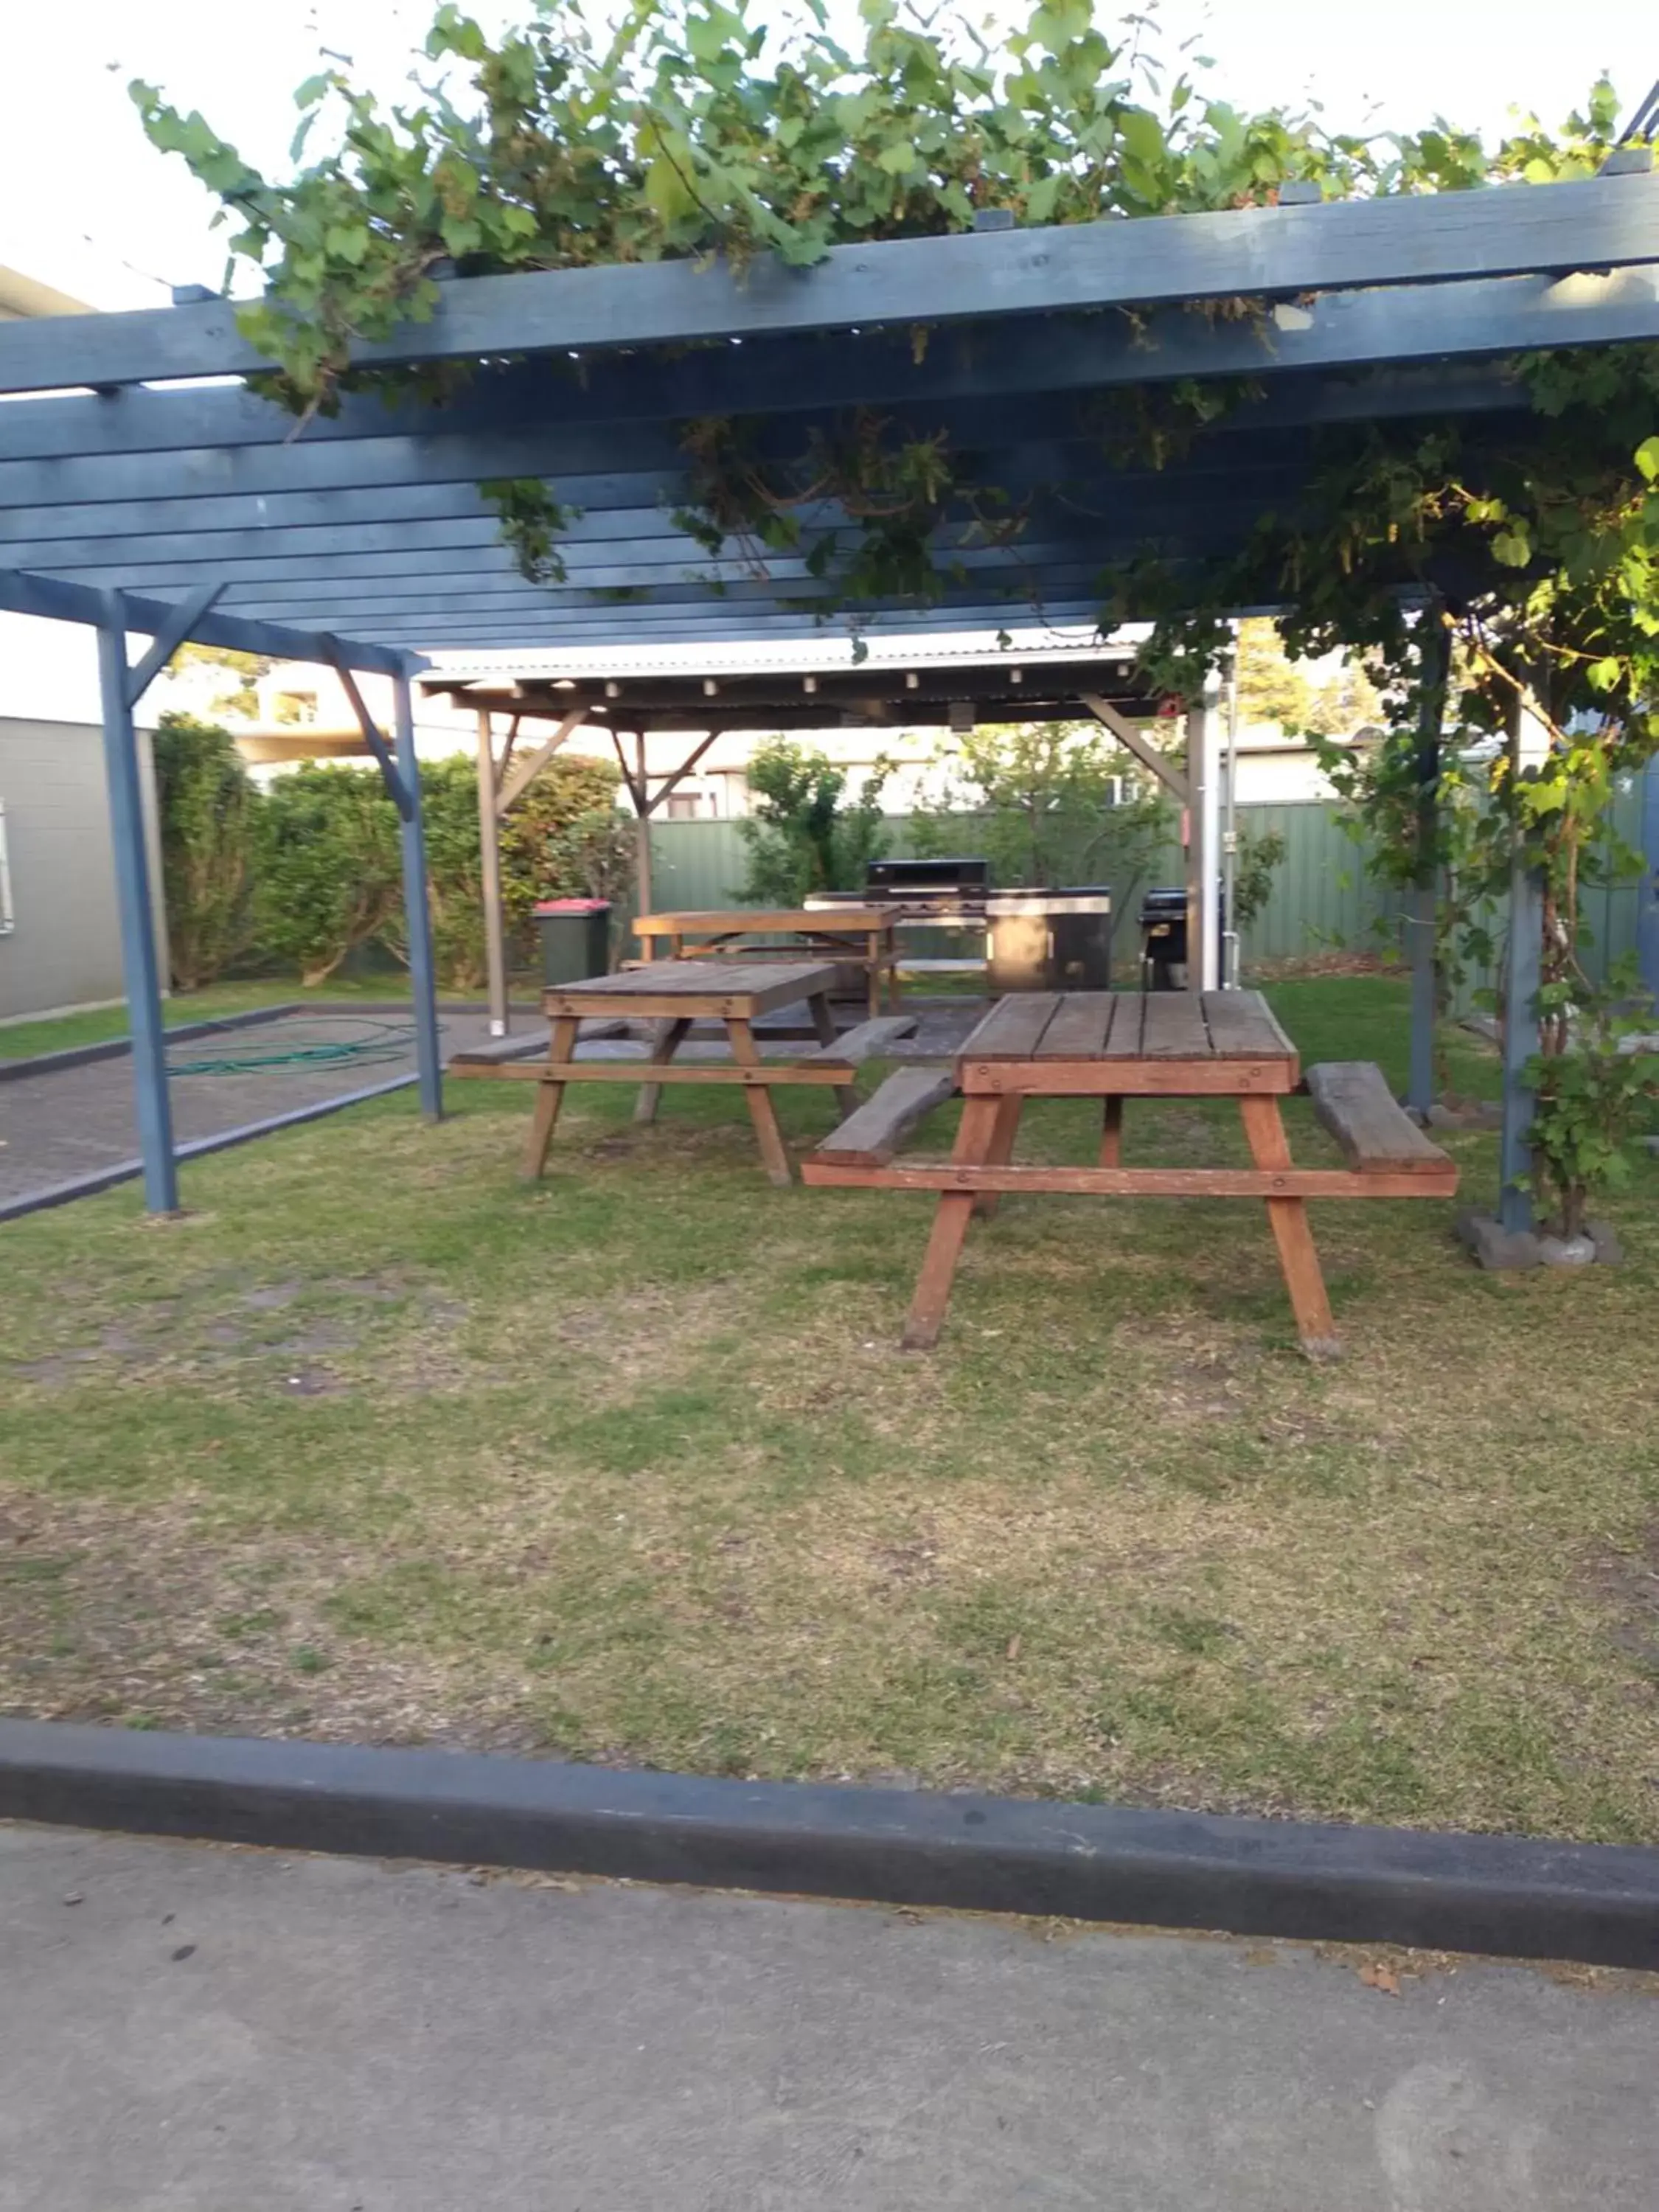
1116 1045
722 932
674 993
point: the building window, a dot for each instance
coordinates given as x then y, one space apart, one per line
685 806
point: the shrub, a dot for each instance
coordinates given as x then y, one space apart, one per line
207 807
329 869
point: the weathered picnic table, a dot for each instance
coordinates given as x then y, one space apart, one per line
854 935
1116 1045
672 994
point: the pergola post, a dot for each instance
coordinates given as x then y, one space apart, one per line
1522 976
1423 909
417 912
489 852
133 891
1647 912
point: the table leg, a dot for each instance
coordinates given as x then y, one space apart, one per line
956 1210
823 1024
1111 1130
666 1042
1006 1128
872 953
550 1096
762 1112
1264 1130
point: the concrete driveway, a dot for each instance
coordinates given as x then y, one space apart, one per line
192 2029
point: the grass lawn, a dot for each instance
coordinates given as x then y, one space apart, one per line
380 1443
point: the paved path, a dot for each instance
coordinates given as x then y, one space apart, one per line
195 2030
78 1121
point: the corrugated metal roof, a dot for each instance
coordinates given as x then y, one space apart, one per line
803 655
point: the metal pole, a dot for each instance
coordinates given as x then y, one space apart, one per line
138 914
1230 937
1203 835
1423 911
417 915
1522 976
490 851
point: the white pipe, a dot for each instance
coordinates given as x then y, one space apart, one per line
1229 942
1205 797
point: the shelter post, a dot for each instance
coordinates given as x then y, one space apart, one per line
1423 909
417 912
642 841
489 852
133 892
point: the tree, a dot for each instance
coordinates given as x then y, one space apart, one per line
801 837
247 668
207 807
1050 803
1273 688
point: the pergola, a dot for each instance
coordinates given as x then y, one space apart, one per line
145 502
909 692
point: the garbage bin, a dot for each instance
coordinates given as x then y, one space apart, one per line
1049 940
576 934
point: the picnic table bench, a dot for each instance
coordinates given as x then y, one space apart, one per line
674 993
1114 1046
854 936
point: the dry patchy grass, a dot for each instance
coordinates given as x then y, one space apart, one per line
381 1444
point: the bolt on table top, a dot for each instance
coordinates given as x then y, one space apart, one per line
1098 1041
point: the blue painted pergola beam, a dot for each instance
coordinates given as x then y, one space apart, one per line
1274 253
21 593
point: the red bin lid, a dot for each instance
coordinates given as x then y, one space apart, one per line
573 906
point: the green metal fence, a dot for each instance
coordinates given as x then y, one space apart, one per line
1322 898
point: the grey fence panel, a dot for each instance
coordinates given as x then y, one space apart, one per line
1322 898
1609 913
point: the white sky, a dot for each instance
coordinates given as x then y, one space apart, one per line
87 205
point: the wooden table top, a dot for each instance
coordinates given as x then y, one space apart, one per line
720 922
1108 1025
760 984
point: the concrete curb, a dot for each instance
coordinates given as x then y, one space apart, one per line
82 1055
1509 1896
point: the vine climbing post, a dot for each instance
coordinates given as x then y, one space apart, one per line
1647 913
1522 979
417 912
1423 911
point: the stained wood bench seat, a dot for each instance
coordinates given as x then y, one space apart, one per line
872 1134
1373 1131
867 1041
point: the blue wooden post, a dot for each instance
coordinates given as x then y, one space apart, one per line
1423 910
137 915
1520 982
417 912
1647 913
